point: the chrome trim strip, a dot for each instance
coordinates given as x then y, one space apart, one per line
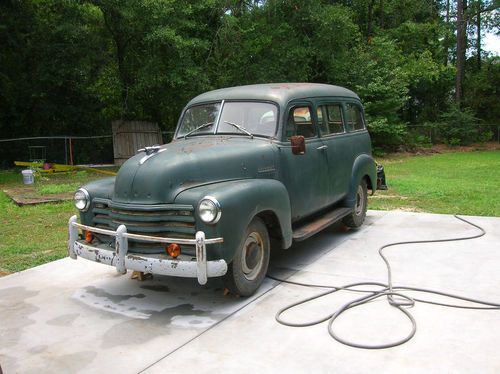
147 157
142 207
147 238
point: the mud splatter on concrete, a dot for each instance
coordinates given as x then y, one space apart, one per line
140 331
98 292
69 363
64 320
14 313
158 288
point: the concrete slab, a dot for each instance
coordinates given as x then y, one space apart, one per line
78 316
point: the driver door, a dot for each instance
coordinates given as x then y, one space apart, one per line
305 176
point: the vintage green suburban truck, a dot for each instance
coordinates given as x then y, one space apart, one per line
248 166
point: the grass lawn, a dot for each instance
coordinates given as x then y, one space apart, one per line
453 183
35 234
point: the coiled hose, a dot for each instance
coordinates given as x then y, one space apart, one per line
394 294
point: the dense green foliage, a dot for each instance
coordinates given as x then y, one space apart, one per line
71 67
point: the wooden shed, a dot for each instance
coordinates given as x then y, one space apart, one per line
129 136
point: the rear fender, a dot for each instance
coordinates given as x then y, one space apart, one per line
364 166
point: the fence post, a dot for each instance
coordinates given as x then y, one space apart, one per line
70 152
65 151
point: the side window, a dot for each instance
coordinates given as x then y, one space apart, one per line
354 118
300 123
333 122
323 125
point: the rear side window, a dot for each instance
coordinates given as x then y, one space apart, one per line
300 123
330 119
354 118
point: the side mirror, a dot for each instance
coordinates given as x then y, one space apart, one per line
298 145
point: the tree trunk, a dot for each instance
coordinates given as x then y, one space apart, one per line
112 21
123 73
369 28
382 14
461 47
478 40
446 41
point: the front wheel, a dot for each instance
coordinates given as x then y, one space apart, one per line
249 266
357 217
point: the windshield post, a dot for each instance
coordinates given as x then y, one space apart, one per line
216 127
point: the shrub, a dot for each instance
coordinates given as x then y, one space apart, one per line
415 140
386 136
459 127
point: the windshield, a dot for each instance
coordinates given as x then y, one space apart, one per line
237 117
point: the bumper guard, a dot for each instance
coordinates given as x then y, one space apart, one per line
121 260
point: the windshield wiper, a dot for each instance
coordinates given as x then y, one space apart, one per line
198 128
241 128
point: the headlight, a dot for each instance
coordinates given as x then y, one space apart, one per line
209 210
82 199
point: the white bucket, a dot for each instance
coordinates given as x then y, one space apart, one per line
28 177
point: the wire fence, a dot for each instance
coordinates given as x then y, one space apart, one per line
70 150
75 150
433 132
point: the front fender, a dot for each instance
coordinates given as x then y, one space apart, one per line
363 166
102 188
240 201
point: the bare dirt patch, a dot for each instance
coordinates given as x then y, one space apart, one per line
490 146
30 196
444 148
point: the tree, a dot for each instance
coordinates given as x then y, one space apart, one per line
69 67
52 57
461 49
160 50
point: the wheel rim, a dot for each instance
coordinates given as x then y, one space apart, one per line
252 259
360 201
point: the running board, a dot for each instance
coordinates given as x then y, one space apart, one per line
311 228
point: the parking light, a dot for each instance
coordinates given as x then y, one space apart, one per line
174 250
88 236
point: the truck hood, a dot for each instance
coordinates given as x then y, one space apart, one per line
184 164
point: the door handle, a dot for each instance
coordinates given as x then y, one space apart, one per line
322 148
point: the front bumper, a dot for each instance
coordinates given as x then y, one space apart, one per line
121 260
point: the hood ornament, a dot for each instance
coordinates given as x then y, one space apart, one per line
150 152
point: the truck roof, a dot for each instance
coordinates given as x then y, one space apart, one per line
280 93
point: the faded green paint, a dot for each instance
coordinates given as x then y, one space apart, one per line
280 93
250 177
241 200
189 163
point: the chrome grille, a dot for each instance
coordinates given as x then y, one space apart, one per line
165 220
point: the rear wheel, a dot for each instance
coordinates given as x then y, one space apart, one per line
357 217
249 266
